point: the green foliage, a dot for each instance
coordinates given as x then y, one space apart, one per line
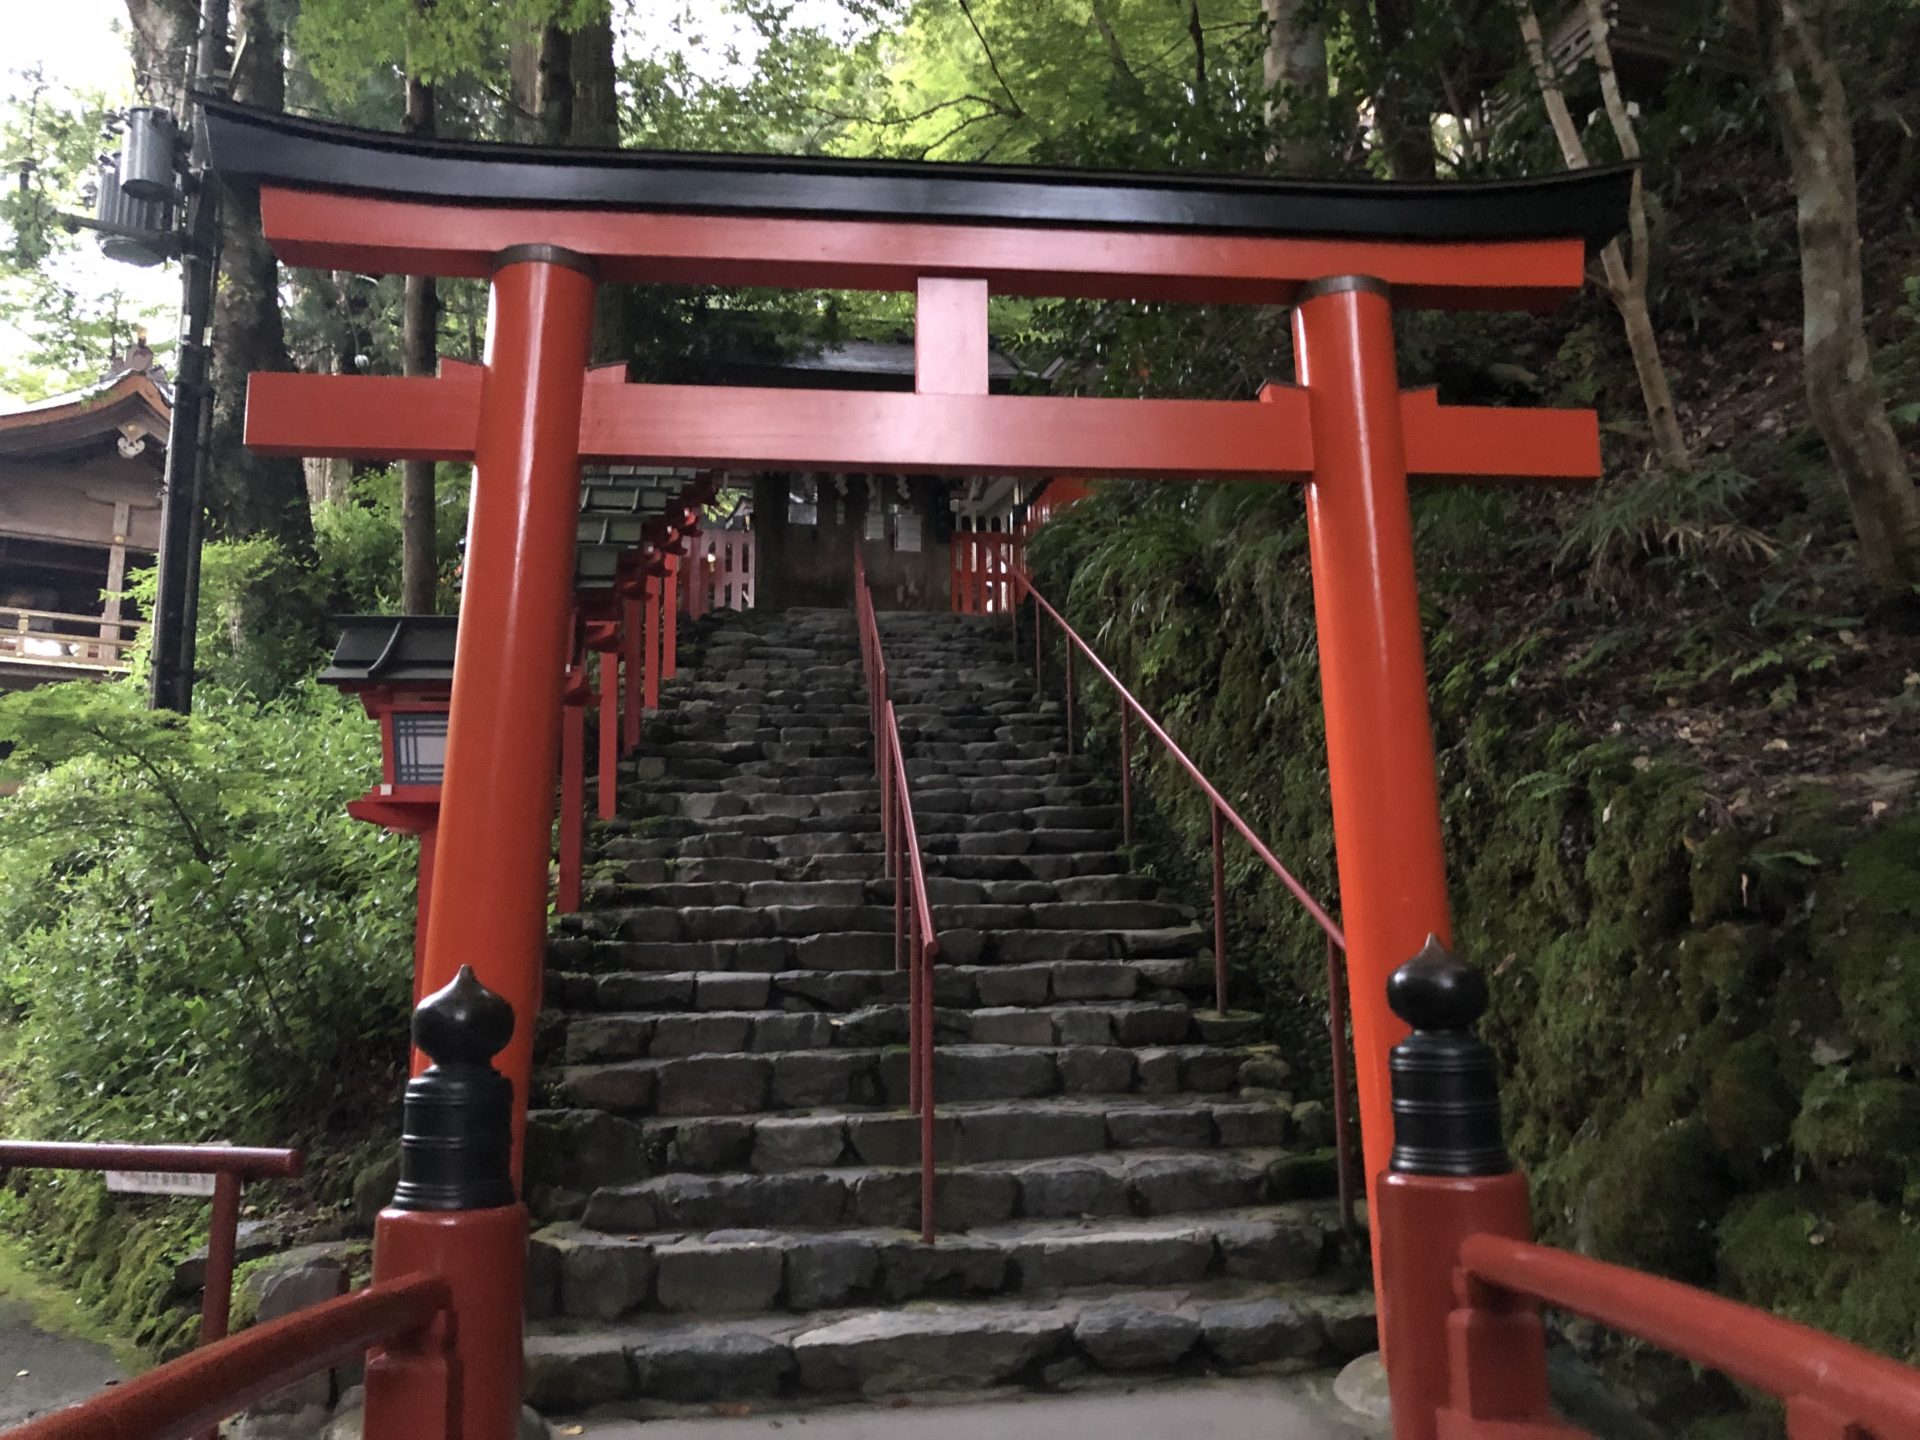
197 939
1705 1028
1694 517
359 543
197 943
344 40
49 139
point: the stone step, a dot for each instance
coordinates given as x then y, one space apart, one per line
919 766
1047 929
820 937
963 1134
619 1036
731 1083
647 862
579 1273
961 987
1149 1183
941 890
944 1346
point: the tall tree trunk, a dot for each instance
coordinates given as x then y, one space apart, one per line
1402 101
248 493
163 35
1294 66
564 93
596 106
420 324
1626 275
555 111
596 122
523 87
1810 103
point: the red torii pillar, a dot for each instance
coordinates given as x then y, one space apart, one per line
503 742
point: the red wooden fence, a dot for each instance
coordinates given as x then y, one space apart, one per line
982 572
718 574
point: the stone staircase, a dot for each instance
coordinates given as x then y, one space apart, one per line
725 1179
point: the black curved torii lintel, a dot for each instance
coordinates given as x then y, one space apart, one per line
253 146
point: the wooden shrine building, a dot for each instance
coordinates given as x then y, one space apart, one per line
79 510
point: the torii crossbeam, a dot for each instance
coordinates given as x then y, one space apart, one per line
546 225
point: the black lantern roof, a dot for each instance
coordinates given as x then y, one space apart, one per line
392 650
616 501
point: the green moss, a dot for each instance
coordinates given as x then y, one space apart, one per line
1860 1133
57 1312
1853 1269
1719 881
1866 930
1749 1107
1654 1196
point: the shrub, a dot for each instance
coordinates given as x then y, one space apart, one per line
196 941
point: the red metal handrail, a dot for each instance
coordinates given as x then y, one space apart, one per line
191 1395
1220 813
916 944
228 1164
1832 1390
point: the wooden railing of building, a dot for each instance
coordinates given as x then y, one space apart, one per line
60 638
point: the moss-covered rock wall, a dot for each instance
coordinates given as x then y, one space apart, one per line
1706 1015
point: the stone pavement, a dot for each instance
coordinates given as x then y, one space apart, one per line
41 1371
1255 1408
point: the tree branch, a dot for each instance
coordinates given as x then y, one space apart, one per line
1199 51
1125 72
1572 148
993 64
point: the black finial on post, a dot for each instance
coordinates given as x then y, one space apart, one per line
456 1133
1446 1087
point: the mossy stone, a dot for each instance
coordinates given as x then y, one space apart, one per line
1853 1270
1866 928
1655 1198
1749 1107
1860 1133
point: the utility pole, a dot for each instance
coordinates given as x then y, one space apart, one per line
176 608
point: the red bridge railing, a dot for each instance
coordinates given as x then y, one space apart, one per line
440 1324
230 1166
1222 814
916 945
192 1395
1465 1347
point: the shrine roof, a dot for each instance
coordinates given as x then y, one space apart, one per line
128 407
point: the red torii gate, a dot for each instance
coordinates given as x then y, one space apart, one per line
545 226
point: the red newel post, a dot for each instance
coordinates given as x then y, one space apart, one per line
631 664
1386 807
503 739
1449 1177
573 790
650 644
456 1214
609 735
670 617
